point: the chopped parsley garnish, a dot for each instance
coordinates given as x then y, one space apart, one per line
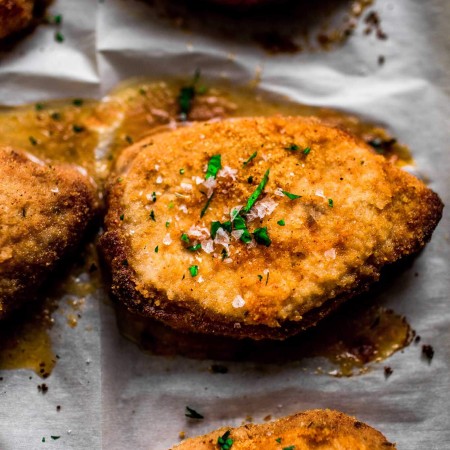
192 413
186 97
194 248
181 171
291 196
33 141
203 211
330 202
214 165
250 159
56 20
250 180
306 150
156 249
77 102
185 237
154 196
171 205
152 215
43 439
78 128
239 224
55 115
167 224
278 440
216 225
122 216
252 199
291 447
193 271
224 254
38 106
281 222
292 147
225 442
261 236
59 37
129 139
125 262
260 277
55 437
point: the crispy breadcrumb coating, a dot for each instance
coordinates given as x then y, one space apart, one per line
44 212
335 214
15 15
316 429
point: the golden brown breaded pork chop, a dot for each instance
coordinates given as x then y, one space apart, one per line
15 15
317 429
44 211
262 241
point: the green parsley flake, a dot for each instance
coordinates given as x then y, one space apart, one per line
43 439
291 196
171 205
252 199
167 224
33 141
250 180
239 224
55 116
78 128
193 271
225 442
59 37
157 249
154 196
122 216
185 237
55 437
306 150
77 102
224 254
291 447
278 440
194 248
152 215
186 97
261 236
330 202
250 159
203 211
181 171
192 413
38 106
281 222
292 147
214 165
215 225
129 139
260 277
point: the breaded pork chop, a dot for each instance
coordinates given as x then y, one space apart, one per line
15 15
257 227
44 211
317 429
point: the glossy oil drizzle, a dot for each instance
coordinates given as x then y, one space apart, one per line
91 134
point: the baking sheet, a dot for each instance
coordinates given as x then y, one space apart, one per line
114 396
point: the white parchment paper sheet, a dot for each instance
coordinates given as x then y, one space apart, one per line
116 397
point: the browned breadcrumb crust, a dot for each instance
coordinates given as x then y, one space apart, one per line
44 212
315 429
380 215
15 15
